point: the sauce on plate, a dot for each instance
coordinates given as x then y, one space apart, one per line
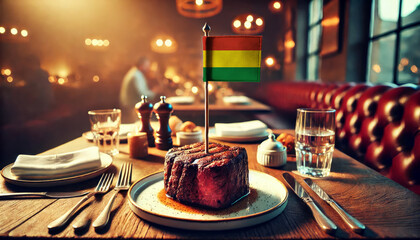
239 205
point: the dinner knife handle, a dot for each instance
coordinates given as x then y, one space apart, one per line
354 224
103 217
9 195
83 221
59 222
323 221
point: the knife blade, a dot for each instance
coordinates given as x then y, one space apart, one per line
44 194
352 222
323 221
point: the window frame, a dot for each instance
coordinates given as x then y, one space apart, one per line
316 53
397 31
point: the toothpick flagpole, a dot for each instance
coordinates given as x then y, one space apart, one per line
206 30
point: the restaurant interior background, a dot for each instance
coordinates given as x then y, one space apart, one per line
61 58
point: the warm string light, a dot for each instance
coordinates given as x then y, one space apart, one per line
97 42
194 89
14 31
163 44
269 61
248 24
275 6
6 72
199 8
289 44
95 78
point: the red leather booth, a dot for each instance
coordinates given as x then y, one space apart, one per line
378 125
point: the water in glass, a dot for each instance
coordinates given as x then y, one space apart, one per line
314 142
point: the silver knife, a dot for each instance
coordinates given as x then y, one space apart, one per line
43 194
323 221
353 223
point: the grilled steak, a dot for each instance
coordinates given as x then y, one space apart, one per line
215 179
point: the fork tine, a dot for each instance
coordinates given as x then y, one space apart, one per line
98 186
122 174
109 182
130 174
126 174
102 183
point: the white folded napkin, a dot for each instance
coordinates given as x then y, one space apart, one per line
236 100
240 129
126 128
55 166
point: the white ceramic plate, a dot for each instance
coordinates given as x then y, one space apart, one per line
267 199
255 138
106 161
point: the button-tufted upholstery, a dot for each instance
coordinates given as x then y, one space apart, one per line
378 125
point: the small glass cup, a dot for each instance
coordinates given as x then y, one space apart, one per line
314 141
105 126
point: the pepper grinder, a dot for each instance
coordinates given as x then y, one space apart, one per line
163 111
144 111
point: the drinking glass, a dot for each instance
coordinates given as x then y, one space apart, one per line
314 142
105 126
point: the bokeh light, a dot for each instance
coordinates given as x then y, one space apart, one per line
250 18
168 42
199 2
194 90
269 61
13 31
95 78
236 23
247 25
24 33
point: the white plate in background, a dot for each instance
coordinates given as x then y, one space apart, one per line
106 162
254 138
180 100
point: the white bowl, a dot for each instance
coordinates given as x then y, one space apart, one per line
185 138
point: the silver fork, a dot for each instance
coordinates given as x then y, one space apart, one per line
102 187
123 183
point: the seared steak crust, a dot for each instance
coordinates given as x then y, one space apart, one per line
216 179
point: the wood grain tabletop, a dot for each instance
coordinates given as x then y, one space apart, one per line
387 209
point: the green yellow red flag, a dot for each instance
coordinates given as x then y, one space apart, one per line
232 58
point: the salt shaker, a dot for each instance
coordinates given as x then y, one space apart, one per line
271 153
144 111
163 111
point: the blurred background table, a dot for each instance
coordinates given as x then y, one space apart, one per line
218 109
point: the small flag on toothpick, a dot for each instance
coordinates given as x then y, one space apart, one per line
228 59
232 58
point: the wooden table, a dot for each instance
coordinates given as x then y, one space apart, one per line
386 208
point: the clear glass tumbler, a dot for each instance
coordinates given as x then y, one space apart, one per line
105 126
314 141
